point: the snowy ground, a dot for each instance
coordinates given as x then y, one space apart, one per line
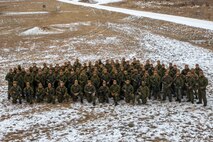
155 121
76 122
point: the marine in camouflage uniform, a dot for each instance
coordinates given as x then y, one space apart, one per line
143 93
118 76
61 78
172 73
16 93
95 80
167 82
128 92
90 92
76 91
28 77
20 79
158 67
77 64
146 79
28 93
72 76
40 93
105 76
147 65
126 76
115 91
61 93
82 79
151 70
195 88
178 83
51 78
103 93
135 79
197 69
155 85
161 73
202 83
9 79
50 93
184 73
40 78
190 83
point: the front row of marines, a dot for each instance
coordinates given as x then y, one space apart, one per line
131 81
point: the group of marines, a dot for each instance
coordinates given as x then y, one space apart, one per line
129 80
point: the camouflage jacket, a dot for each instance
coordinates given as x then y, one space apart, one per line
104 90
61 91
15 91
202 82
143 91
28 91
128 89
50 91
76 89
115 88
89 89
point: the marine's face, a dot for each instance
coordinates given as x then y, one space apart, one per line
76 82
14 84
28 84
49 85
62 84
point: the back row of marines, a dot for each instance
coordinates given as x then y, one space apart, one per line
118 79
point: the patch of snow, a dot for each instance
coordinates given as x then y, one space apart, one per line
170 18
106 1
71 26
12 0
153 4
24 13
6 50
40 31
99 1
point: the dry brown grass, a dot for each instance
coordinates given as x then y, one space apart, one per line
200 9
61 13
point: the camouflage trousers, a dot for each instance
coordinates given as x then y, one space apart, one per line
195 91
16 97
77 96
143 98
156 93
8 94
29 98
190 95
39 98
167 92
130 98
178 93
202 96
51 99
62 98
103 97
115 97
91 98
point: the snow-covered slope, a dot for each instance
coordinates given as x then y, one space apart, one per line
170 18
75 122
